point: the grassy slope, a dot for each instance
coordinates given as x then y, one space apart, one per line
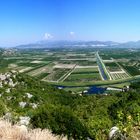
65 113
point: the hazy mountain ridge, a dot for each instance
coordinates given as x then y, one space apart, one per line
93 44
48 44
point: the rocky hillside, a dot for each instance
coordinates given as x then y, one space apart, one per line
28 102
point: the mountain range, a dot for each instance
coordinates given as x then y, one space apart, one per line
82 44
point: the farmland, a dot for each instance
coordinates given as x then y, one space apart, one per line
75 66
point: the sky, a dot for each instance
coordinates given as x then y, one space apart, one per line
29 21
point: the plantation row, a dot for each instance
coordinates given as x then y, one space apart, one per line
132 70
116 76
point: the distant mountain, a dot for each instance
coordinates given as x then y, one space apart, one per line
80 44
131 44
57 44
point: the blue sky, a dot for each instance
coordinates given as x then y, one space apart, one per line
27 21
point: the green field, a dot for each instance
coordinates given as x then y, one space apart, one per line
55 65
42 75
85 70
56 74
132 70
84 77
112 66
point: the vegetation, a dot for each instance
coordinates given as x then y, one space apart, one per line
83 77
65 112
85 70
8 131
71 114
57 73
112 67
37 62
132 70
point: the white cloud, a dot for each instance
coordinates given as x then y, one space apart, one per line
48 36
72 33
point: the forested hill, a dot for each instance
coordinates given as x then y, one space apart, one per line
38 105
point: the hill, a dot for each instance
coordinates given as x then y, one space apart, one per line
27 101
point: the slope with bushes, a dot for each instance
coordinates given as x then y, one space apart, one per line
27 101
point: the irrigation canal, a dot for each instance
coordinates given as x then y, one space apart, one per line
101 67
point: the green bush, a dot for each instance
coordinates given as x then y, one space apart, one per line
2 108
60 120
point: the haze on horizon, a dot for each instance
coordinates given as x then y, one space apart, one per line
26 21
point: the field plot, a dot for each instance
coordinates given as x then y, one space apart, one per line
108 61
21 69
132 66
41 69
56 74
119 75
81 62
105 56
28 64
51 58
76 65
25 69
62 66
84 75
86 67
77 56
38 62
116 71
85 70
132 70
12 66
112 66
42 75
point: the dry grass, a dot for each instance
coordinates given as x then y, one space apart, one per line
134 134
16 132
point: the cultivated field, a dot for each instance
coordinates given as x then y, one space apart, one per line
76 66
